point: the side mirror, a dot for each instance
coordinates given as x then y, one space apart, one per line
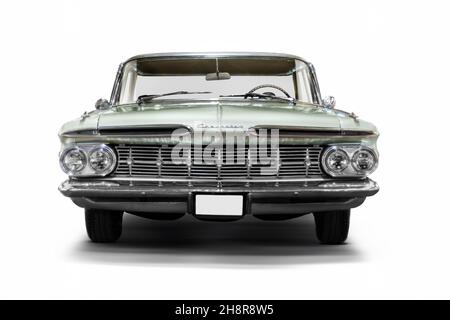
329 102
102 104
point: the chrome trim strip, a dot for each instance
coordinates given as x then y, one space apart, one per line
194 180
299 131
116 86
152 126
343 188
201 55
315 84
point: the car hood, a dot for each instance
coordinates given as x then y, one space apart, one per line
226 115
220 115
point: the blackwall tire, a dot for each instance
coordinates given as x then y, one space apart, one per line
103 225
332 226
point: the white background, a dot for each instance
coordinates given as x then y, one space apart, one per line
388 61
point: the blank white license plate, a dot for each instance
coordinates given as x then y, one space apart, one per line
219 205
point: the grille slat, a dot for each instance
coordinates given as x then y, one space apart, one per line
155 161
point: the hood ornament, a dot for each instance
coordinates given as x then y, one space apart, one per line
84 115
353 115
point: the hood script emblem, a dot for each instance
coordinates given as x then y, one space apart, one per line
226 126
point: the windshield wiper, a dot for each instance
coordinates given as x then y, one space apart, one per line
149 97
259 95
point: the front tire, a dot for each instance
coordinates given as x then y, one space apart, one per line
332 226
103 225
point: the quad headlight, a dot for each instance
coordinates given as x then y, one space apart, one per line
101 159
349 161
336 160
73 160
88 160
364 160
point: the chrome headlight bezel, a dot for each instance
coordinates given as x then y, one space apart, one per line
327 154
63 165
109 152
351 170
88 170
365 171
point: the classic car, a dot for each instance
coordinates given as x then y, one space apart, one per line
218 136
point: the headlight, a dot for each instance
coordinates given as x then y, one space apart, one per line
73 160
102 159
87 159
364 161
336 161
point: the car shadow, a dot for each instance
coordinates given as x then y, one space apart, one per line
190 242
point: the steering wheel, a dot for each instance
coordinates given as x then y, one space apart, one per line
269 86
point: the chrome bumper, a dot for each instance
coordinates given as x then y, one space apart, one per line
291 197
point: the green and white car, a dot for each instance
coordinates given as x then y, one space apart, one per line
218 136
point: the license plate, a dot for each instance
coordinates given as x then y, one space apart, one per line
219 205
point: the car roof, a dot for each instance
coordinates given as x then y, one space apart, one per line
200 55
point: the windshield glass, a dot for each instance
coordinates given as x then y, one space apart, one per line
210 78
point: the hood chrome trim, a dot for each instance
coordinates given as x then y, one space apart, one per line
287 131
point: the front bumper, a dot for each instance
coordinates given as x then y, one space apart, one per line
261 198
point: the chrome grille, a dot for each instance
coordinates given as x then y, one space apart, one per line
155 161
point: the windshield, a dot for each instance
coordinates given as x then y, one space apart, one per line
212 78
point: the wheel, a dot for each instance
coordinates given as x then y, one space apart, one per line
332 226
103 225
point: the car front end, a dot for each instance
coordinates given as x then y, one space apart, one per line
214 153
